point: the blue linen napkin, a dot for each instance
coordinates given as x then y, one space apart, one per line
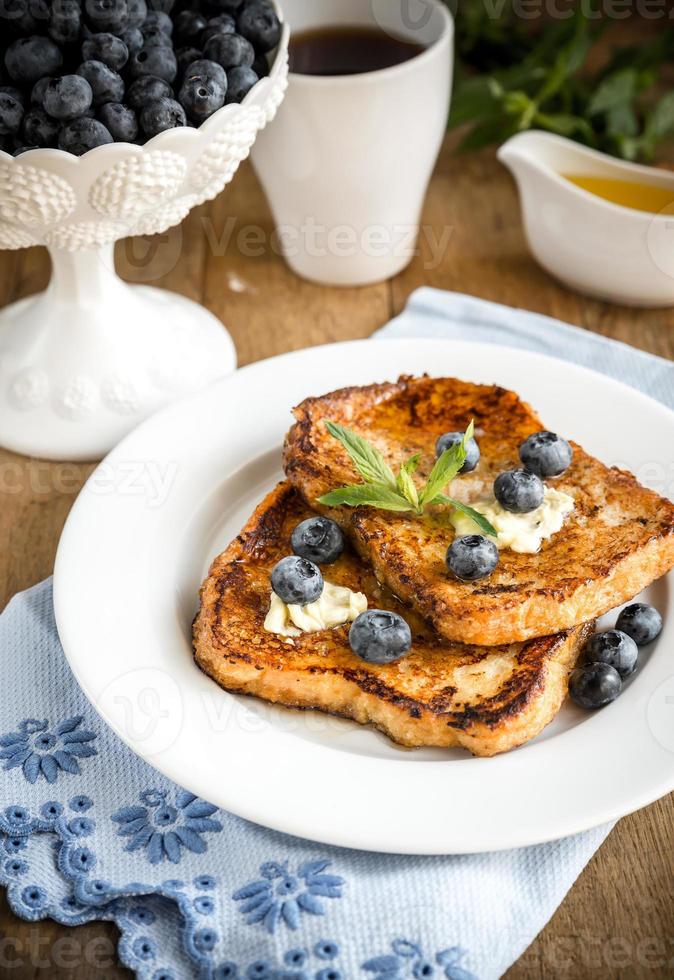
89 831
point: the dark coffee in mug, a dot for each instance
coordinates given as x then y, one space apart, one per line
347 51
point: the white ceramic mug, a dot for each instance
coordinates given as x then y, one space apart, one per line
346 163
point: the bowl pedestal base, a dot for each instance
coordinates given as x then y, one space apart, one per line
84 362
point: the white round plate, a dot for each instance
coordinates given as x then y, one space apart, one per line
140 539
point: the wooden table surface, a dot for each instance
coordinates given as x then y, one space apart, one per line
618 919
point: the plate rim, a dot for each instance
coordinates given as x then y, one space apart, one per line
515 838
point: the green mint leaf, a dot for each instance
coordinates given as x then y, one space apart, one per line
615 91
368 461
475 98
475 516
468 434
366 495
446 468
406 484
565 124
569 59
661 121
622 122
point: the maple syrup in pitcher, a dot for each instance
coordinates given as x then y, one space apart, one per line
334 51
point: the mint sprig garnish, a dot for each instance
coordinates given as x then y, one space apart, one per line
382 489
368 461
366 495
474 515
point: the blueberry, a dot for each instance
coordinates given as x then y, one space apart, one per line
380 637
641 622
614 648
120 121
81 135
11 114
594 685
200 97
222 24
111 50
158 61
39 9
38 90
319 539
20 15
158 19
519 491
472 557
188 26
107 15
230 51
261 66
147 89
15 92
239 83
452 439
65 21
160 115
133 39
155 37
29 58
137 12
185 57
67 97
39 130
259 23
297 581
546 454
106 84
11 10
207 69
24 16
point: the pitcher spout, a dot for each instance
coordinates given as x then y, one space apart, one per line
535 151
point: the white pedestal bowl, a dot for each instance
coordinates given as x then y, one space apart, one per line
84 362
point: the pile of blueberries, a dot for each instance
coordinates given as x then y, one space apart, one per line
76 74
612 655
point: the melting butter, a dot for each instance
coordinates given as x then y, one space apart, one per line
522 533
337 605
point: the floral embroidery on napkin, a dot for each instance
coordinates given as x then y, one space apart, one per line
281 896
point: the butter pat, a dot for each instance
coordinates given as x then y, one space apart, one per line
522 533
337 605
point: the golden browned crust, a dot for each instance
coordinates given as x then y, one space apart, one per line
441 694
618 540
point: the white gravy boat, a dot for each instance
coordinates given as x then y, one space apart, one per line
590 244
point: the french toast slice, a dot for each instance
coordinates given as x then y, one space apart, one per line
440 694
619 538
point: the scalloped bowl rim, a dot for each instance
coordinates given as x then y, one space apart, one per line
192 133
